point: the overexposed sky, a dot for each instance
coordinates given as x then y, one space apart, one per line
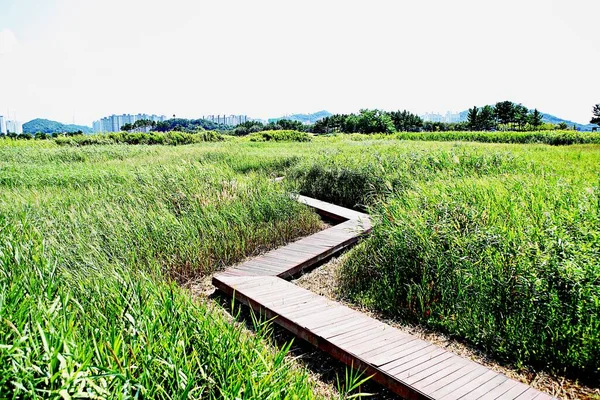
83 59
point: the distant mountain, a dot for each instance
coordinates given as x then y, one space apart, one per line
48 126
305 118
555 120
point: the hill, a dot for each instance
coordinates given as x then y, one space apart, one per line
304 118
48 126
555 120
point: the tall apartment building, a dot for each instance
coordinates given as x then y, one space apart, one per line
231 120
435 117
114 123
2 125
14 126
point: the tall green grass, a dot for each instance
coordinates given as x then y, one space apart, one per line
110 332
280 136
356 178
137 138
91 243
507 264
555 138
495 244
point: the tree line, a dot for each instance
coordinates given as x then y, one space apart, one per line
505 116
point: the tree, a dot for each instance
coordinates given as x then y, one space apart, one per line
285 124
521 116
505 112
596 113
473 118
405 121
374 121
535 119
486 120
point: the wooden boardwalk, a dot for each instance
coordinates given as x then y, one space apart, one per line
411 367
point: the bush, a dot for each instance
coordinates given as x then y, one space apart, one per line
147 138
555 138
280 136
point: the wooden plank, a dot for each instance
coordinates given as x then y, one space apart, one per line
392 337
386 348
358 334
513 392
417 365
486 387
501 389
338 333
358 344
529 394
413 360
457 383
330 330
338 317
397 357
439 380
469 386
436 371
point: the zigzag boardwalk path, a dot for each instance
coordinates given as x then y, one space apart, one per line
411 367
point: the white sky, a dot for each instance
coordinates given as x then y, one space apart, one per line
84 59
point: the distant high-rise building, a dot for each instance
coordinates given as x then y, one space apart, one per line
231 120
2 125
114 123
14 126
452 117
433 117
436 117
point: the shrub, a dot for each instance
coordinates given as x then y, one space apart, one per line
555 138
280 136
146 138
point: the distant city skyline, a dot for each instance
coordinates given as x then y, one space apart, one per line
224 119
114 123
447 116
10 125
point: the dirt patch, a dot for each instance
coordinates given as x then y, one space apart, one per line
324 281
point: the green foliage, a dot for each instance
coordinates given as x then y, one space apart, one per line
596 115
91 240
535 119
280 136
188 125
473 118
356 178
248 127
555 138
150 138
405 121
509 264
366 121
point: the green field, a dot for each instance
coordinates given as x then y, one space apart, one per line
497 244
